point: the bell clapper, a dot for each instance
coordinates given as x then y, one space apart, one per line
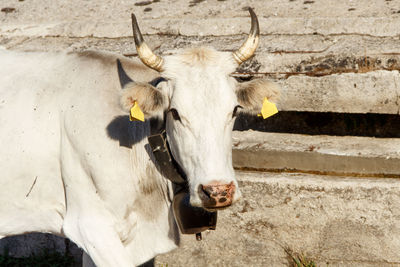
198 237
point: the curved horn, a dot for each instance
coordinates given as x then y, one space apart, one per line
145 54
247 50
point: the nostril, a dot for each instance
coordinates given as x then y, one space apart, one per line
222 200
207 190
203 191
205 194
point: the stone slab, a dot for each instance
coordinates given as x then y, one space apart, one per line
277 55
373 92
210 27
319 90
326 154
334 221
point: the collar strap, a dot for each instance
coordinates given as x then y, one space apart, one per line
169 167
166 163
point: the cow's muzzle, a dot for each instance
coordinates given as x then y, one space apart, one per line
214 196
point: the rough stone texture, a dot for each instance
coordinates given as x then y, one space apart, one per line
333 220
326 154
111 18
373 92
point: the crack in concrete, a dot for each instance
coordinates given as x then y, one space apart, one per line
288 74
300 51
360 261
161 33
321 173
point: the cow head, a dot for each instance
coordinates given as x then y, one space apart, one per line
201 101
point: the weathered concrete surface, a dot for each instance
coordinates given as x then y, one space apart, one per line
326 154
373 92
332 220
327 56
111 18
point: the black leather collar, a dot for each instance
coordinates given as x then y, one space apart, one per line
168 165
161 150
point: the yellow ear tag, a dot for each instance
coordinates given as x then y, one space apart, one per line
136 114
268 109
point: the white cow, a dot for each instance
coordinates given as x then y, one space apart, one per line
72 164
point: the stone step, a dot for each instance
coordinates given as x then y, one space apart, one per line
332 220
337 88
312 55
358 156
189 26
372 92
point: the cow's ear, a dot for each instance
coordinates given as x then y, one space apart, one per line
150 100
250 95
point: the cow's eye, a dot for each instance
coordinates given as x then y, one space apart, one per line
175 114
234 114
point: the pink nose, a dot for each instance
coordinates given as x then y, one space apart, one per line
216 195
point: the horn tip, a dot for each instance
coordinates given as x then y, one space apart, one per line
134 20
255 28
252 13
136 31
